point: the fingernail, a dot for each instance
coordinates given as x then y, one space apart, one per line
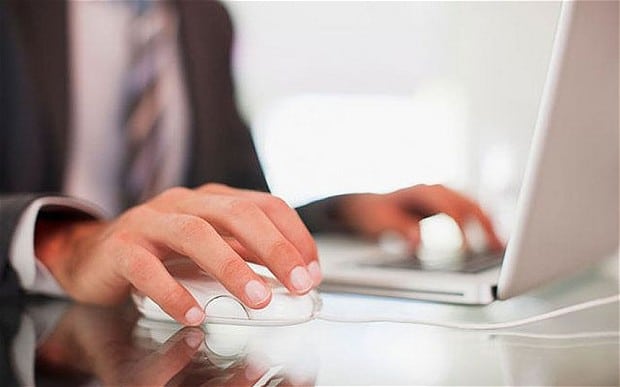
300 279
315 272
193 339
256 291
194 316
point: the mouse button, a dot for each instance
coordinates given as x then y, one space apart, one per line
286 309
225 309
147 307
205 287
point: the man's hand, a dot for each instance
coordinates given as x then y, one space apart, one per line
402 210
218 227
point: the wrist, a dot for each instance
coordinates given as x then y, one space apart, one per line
56 242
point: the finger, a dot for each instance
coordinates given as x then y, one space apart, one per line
147 274
487 226
462 221
283 217
248 224
415 235
463 210
438 199
193 237
242 251
405 224
473 209
469 209
174 355
281 214
432 199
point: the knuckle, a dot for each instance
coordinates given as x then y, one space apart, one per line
189 227
174 193
275 204
189 231
120 239
421 189
134 265
112 246
231 268
136 214
239 207
282 248
213 186
173 297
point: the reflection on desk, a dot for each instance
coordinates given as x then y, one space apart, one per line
53 342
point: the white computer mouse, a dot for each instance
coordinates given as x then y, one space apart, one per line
221 307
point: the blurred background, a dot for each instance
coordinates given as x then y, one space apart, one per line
374 96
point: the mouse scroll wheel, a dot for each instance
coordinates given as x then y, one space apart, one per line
225 307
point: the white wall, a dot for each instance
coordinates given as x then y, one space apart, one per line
349 96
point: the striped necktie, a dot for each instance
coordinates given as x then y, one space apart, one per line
151 31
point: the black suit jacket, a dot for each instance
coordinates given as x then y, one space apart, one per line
35 103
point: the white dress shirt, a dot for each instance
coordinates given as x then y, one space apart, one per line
99 61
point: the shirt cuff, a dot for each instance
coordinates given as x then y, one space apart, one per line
34 277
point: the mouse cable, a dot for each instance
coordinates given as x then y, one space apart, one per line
482 326
559 336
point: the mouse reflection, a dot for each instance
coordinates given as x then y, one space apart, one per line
235 355
72 344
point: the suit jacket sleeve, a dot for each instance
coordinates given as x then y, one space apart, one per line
14 120
19 213
11 209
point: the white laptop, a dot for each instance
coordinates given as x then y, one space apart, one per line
567 214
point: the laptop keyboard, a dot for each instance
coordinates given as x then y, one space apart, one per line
472 263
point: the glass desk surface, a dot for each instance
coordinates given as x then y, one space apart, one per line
54 342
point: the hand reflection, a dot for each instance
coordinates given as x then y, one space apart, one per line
99 341
224 358
102 342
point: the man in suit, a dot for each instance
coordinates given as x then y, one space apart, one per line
66 137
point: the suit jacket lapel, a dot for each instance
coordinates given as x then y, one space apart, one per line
199 56
221 148
42 31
